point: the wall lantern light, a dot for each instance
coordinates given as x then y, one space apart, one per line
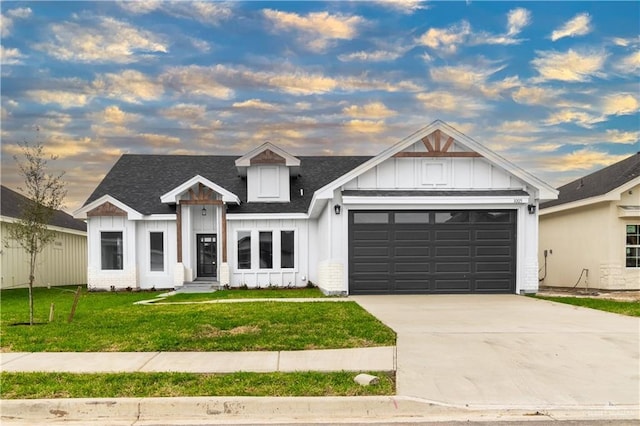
337 208
204 211
531 208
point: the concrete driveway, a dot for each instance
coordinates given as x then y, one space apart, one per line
511 351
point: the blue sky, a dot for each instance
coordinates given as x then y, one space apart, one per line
552 86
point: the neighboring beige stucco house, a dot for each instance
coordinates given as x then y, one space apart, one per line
63 262
591 233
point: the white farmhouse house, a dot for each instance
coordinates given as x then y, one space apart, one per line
435 213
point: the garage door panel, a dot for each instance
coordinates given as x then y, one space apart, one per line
494 235
420 251
433 252
411 286
448 286
371 251
453 235
416 266
493 251
493 267
457 251
372 235
493 285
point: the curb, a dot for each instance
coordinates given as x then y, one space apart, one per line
209 410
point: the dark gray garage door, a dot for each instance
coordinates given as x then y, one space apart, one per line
416 252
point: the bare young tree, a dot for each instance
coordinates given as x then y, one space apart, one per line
45 192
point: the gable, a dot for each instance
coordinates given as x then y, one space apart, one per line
436 161
422 147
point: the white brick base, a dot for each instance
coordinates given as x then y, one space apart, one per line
224 274
112 280
614 277
178 275
331 277
529 283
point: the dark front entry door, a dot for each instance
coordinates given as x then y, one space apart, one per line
207 255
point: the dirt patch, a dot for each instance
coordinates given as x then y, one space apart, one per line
207 330
620 295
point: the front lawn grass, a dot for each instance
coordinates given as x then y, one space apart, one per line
110 322
123 385
263 293
616 306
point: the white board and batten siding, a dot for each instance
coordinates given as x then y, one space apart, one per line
268 184
304 253
474 173
156 279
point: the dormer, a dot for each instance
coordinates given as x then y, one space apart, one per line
268 170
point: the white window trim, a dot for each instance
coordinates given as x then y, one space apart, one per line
272 191
164 252
276 248
124 254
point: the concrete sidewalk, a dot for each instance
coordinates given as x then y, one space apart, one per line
358 359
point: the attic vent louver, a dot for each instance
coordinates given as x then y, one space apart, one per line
581 184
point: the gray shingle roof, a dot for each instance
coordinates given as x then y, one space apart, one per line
140 180
11 203
598 183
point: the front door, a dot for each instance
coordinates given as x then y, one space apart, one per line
207 255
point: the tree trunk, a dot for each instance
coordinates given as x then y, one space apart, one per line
32 277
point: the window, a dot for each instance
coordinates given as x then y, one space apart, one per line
370 217
111 249
633 246
287 259
244 249
266 250
452 217
412 217
156 251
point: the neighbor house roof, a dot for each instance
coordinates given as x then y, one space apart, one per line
140 180
11 203
598 183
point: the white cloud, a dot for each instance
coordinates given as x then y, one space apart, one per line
197 80
372 56
159 141
473 78
255 104
580 118
536 95
365 126
582 159
629 64
517 126
185 112
462 105
205 12
317 29
103 40
10 56
404 6
570 66
617 136
577 26
114 115
517 19
370 110
6 21
63 98
446 39
620 104
129 86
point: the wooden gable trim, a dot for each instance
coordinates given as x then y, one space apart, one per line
436 149
267 157
106 209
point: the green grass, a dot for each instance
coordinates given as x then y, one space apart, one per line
266 293
121 385
608 305
109 322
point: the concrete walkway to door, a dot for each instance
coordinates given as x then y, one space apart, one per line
511 351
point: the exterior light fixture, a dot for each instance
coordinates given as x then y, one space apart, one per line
337 208
531 208
204 211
